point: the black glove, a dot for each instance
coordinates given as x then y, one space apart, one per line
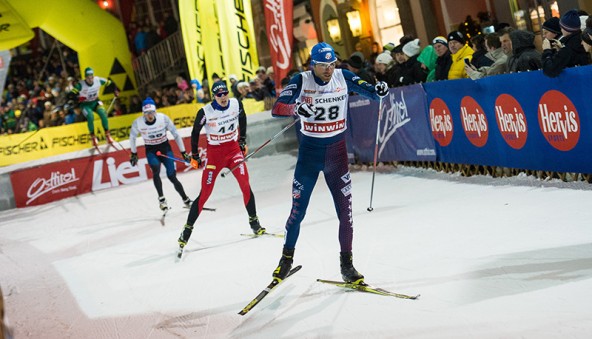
186 157
195 161
381 89
242 143
305 110
134 159
71 96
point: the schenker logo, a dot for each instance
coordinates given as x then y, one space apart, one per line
559 120
511 121
441 122
474 121
56 180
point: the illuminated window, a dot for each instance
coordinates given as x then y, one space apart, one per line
389 22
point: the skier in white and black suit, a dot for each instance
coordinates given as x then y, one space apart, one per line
153 127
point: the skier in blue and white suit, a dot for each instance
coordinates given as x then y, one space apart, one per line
153 127
320 98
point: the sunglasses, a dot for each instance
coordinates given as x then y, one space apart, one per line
326 65
221 94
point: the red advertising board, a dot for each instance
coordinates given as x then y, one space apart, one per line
46 183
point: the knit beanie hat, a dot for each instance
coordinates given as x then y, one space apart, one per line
148 106
440 40
552 25
389 47
411 48
457 36
384 58
322 52
356 60
570 21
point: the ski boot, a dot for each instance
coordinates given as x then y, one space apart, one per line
183 239
163 203
187 202
348 272
108 137
185 234
255 226
285 265
94 140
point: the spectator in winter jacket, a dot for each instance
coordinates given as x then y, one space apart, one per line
480 57
356 65
385 69
427 58
551 29
506 41
459 52
444 60
524 57
494 52
411 70
567 53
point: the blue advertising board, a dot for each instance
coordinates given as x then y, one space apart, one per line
403 132
524 120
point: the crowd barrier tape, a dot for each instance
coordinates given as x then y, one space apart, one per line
525 120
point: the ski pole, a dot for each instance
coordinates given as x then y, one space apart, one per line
111 105
173 158
370 209
121 146
260 147
185 162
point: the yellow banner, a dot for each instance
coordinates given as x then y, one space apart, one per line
46 142
237 38
211 41
191 28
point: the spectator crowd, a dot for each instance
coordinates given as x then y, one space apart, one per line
37 84
566 43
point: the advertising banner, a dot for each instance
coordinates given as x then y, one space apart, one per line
192 31
239 50
278 24
18 148
526 120
403 133
43 184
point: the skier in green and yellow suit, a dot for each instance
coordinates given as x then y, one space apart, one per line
87 91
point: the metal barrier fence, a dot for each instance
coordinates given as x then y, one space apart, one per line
158 59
